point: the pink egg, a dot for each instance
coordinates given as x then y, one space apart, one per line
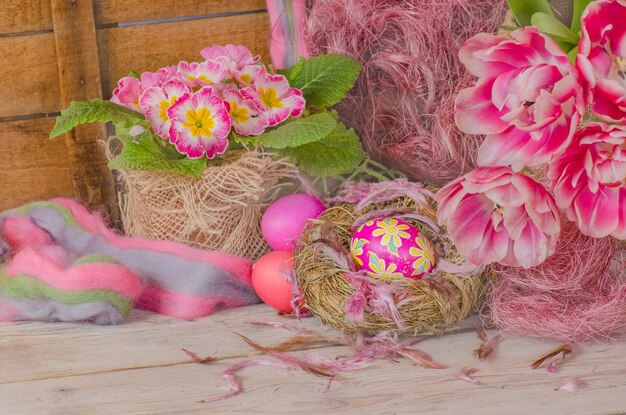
269 282
284 219
391 249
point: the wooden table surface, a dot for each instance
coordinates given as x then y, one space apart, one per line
138 368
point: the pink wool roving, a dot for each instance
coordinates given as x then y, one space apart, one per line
287 24
402 105
578 294
63 263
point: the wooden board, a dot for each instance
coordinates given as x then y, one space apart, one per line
30 83
116 11
79 80
34 183
24 16
138 368
33 166
150 47
56 51
30 137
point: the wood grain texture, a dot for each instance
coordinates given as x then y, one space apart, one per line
106 349
79 79
33 167
116 11
150 47
24 16
29 138
137 368
29 81
34 183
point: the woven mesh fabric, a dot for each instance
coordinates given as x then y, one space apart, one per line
222 211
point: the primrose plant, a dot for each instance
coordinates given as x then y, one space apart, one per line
180 117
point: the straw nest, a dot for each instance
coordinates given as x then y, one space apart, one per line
433 305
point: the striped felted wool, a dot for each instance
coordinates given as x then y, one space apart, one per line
64 263
287 23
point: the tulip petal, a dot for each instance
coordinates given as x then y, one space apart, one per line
475 112
531 248
492 249
468 224
597 213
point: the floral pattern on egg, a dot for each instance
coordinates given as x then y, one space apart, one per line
391 249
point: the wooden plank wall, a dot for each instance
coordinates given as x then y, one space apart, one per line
56 51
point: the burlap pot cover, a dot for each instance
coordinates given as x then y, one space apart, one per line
221 211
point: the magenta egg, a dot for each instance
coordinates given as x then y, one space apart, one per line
391 249
285 219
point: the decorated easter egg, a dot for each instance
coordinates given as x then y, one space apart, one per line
284 219
269 279
391 249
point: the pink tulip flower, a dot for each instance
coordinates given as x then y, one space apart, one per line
602 58
589 180
527 100
496 215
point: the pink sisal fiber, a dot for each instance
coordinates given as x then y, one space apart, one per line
402 105
578 261
578 294
363 194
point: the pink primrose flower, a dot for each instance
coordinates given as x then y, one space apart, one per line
155 102
273 96
233 57
200 124
127 93
158 78
244 114
249 74
201 74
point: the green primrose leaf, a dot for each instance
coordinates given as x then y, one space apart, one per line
325 79
148 152
122 132
243 140
96 110
296 132
523 10
338 153
293 72
579 8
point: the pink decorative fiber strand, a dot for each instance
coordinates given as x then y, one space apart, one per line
578 294
403 103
